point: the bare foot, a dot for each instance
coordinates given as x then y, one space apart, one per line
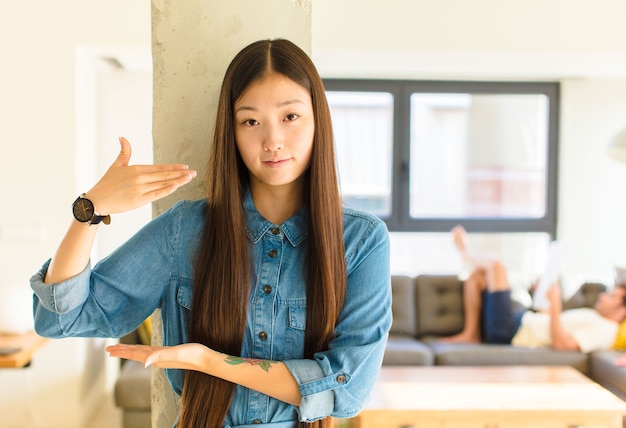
462 337
459 235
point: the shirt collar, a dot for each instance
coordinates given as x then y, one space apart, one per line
295 228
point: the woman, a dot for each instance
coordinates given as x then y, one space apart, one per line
275 300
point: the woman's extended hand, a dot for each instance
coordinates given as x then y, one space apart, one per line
188 356
268 377
124 187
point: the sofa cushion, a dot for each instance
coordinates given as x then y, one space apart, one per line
607 373
479 354
402 306
439 305
132 388
405 351
137 418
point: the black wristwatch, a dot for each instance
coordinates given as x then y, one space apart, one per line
85 212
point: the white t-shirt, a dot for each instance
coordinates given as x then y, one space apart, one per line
589 329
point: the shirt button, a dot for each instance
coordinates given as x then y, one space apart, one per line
257 422
273 253
341 379
263 335
267 289
275 230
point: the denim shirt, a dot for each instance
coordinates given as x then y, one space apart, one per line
154 269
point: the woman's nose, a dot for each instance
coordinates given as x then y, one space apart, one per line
273 139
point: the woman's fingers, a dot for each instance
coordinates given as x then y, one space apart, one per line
124 188
161 173
130 352
158 184
145 354
185 356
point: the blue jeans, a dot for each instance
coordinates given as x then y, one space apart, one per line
500 321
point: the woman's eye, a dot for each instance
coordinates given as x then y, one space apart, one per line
291 116
250 122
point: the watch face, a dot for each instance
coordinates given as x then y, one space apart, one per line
83 209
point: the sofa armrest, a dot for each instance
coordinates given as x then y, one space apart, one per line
132 388
407 351
607 373
402 305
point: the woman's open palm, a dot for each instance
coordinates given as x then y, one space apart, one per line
187 356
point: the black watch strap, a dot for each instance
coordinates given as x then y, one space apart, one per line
95 219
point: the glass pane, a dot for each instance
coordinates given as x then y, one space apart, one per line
363 129
475 155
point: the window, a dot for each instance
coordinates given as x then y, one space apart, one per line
425 155
365 128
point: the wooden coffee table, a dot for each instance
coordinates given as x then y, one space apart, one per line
489 397
25 345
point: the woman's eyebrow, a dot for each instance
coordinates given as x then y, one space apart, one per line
245 107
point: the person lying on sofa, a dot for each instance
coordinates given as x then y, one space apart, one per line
487 295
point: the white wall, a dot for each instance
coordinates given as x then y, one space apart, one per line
592 218
40 42
454 25
452 38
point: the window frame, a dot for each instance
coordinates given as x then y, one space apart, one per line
401 90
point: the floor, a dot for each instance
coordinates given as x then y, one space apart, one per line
107 416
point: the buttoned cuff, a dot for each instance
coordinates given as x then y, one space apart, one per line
316 389
61 298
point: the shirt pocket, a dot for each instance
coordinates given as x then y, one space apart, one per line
184 295
294 333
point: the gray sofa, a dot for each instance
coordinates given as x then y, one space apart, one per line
428 307
424 308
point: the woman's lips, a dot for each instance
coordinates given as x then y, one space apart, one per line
276 163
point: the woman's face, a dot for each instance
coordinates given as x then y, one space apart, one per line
274 128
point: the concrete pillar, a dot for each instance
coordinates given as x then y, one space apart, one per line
193 42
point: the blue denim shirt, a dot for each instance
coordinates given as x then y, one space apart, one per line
154 269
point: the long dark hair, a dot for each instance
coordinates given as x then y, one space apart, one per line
221 287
